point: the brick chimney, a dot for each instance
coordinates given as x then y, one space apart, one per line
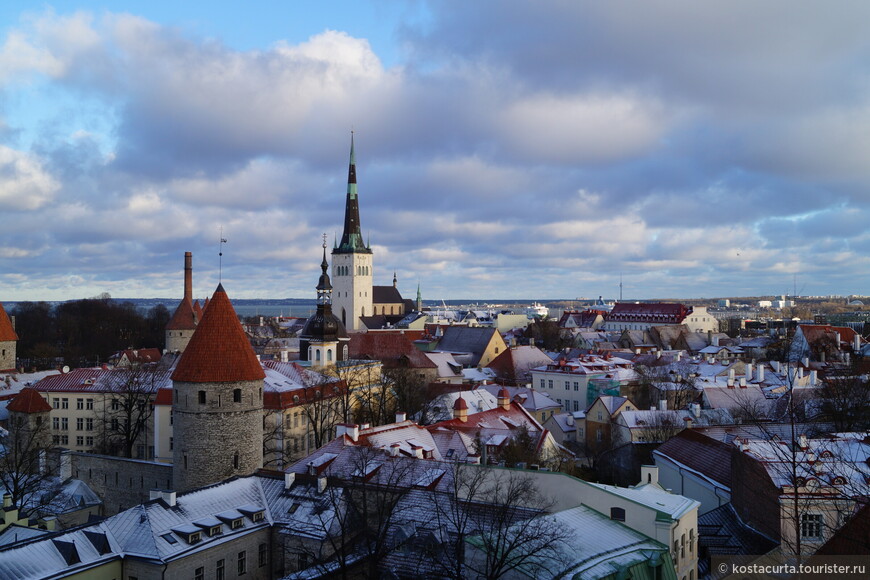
188 276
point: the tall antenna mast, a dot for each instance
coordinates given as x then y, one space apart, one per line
223 241
620 286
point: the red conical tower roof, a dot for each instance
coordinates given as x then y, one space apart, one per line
218 351
184 318
28 401
7 333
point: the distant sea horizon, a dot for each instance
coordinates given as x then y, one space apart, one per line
303 308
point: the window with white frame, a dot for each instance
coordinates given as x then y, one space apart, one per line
811 526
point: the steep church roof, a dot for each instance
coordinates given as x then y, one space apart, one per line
351 238
7 333
28 401
218 351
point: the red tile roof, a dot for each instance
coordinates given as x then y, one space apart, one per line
652 312
218 351
164 397
815 332
184 317
7 333
28 401
389 348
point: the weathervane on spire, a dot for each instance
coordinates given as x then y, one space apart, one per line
223 241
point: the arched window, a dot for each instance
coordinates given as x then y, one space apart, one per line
317 355
328 355
344 352
237 395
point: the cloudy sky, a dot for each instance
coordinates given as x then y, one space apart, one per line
504 149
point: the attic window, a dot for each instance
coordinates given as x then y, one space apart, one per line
617 514
826 453
294 507
214 531
258 517
236 524
839 480
170 539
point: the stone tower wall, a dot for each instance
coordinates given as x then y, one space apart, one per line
176 340
7 355
207 436
352 292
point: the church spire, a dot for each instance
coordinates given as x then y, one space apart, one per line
351 238
324 286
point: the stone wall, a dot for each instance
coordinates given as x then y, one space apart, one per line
120 482
217 438
7 355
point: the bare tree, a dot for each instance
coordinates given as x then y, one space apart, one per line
358 523
409 393
23 466
845 400
501 514
128 408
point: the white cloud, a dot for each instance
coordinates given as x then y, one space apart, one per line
24 183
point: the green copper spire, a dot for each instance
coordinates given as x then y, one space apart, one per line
351 172
351 238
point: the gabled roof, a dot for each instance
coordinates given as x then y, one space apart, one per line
815 332
530 399
652 312
611 402
515 363
28 401
707 456
470 339
218 351
7 333
391 348
386 295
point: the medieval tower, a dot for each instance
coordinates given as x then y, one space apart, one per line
8 342
352 261
217 401
180 327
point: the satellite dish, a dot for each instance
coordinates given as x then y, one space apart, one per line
65 369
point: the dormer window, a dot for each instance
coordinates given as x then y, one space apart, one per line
214 531
189 534
258 517
236 524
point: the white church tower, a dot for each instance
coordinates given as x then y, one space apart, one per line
352 262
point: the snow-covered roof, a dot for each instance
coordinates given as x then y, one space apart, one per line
654 497
584 555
